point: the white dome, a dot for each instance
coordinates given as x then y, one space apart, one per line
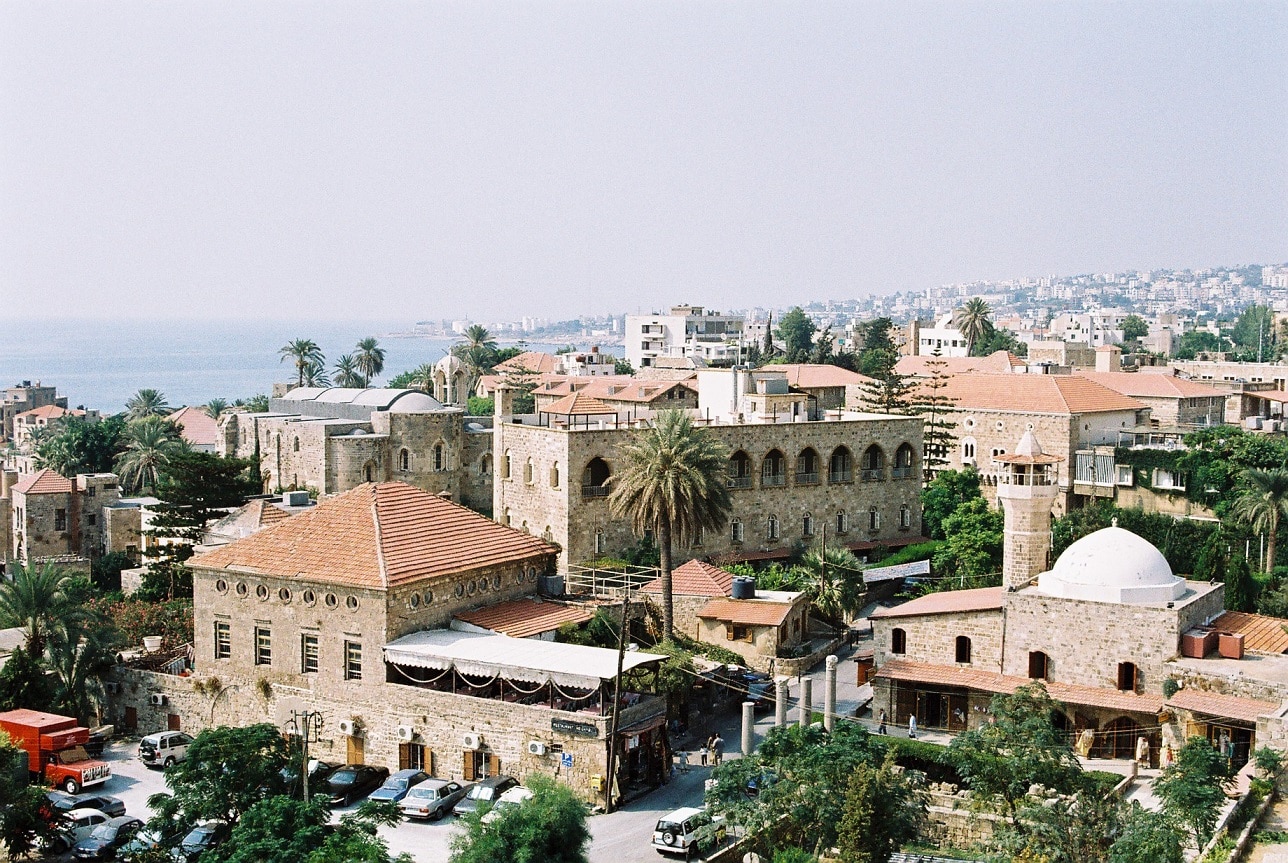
1112 565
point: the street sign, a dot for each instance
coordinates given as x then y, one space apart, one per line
565 760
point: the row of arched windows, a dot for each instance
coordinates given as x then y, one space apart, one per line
840 466
554 476
809 525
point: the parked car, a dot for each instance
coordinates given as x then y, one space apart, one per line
164 749
762 695
353 782
432 798
484 791
688 832
140 843
199 840
107 839
76 825
516 796
105 803
760 781
395 788
319 772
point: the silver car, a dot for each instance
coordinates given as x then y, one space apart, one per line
433 798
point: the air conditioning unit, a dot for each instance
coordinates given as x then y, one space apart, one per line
473 741
157 699
406 733
111 687
536 747
346 727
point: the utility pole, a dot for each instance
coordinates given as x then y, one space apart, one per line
307 725
617 703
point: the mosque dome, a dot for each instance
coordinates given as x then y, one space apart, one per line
1112 565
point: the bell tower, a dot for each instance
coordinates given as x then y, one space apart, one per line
1027 490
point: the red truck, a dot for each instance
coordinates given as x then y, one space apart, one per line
55 747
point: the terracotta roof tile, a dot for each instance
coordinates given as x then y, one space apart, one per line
1261 634
695 578
812 375
1152 385
750 612
578 404
49 412
989 681
379 536
529 361
522 618
947 602
198 428
1224 706
45 482
998 362
1042 394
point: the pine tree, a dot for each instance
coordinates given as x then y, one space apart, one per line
768 350
935 406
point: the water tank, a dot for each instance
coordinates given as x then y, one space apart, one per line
295 498
551 585
744 587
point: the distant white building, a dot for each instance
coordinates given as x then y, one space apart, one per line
944 338
688 331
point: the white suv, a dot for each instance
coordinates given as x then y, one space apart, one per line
688 832
164 749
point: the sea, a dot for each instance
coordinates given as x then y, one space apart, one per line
98 365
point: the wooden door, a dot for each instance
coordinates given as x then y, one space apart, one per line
131 718
356 751
172 722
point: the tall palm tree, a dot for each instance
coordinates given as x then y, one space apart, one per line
314 375
146 403
215 408
37 599
673 481
80 653
348 373
422 378
973 319
477 336
370 359
302 352
834 582
1262 504
149 444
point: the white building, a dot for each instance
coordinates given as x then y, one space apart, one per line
944 338
688 331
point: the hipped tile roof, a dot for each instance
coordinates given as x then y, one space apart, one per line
378 535
49 412
578 404
814 375
198 428
947 602
522 618
1152 385
529 361
998 362
749 612
695 578
1063 395
45 481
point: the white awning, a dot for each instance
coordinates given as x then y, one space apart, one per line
526 659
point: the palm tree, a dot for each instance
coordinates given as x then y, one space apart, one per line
215 408
1262 504
80 653
38 600
348 373
422 378
149 444
302 352
477 336
673 482
370 360
146 403
314 375
974 320
834 582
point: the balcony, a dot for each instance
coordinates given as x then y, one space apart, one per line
773 479
595 491
873 475
807 478
740 482
903 472
840 476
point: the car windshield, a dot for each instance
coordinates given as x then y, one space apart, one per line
427 793
482 792
103 831
343 776
198 836
665 826
395 784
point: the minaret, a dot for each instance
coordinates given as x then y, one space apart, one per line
1027 490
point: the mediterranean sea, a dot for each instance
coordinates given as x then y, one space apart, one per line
100 365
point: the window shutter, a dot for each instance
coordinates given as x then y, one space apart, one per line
468 771
493 765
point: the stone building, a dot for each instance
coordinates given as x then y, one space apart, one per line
52 517
693 585
791 471
1102 628
1173 402
24 397
30 423
343 609
759 628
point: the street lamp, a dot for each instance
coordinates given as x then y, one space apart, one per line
307 725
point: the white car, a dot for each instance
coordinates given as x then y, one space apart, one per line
514 797
76 825
688 832
164 749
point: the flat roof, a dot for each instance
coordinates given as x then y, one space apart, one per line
525 659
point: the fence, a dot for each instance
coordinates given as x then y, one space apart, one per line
608 580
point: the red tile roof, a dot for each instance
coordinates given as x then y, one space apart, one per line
522 618
198 428
578 404
49 412
998 362
812 375
1062 395
695 578
947 602
1224 706
378 536
616 388
529 361
1261 634
1152 385
748 612
989 681
45 482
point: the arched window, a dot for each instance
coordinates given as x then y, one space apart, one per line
968 450
772 527
905 517
874 519
898 641
485 464
1127 681
295 445
440 457
904 462
772 469
963 649
873 464
735 530
739 470
506 465
594 479
807 467
527 471
506 520
842 522
807 525
601 542
554 476
1039 665
404 460
840 465
368 472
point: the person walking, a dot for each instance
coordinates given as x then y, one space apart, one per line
912 726
881 726
702 753
717 748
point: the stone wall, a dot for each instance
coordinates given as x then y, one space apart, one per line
757 649
933 638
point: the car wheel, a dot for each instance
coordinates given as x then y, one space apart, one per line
71 786
169 761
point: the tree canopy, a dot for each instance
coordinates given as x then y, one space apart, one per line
549 828
797 332
283 829
77 445
1193 787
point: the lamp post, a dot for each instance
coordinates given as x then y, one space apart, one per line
307 725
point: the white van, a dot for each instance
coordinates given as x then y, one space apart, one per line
164 749
688 832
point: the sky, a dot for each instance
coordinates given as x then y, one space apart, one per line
428 160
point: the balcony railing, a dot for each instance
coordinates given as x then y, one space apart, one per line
740 482
873 475
903 472
770 479
807 478
836 476
595 491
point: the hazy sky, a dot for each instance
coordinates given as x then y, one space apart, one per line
429 159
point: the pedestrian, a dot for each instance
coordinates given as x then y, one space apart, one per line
702 754
684 761
881 726
717 744
912 726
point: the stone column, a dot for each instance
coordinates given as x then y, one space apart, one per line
829 694
748 728
780 703
806 709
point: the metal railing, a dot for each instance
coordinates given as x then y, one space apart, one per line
840 476
608 581
873 474
807 478
595 491
740 481
903 472
773 479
